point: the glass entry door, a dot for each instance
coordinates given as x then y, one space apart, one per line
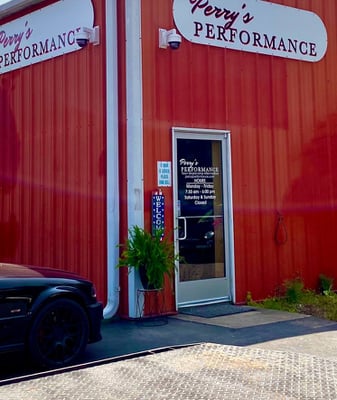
201 218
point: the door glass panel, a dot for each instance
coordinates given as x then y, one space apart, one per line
200 210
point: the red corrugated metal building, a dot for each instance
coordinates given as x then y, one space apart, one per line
236 128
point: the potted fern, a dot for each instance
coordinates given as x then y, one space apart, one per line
151 254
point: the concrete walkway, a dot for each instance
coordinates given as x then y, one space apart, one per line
279 330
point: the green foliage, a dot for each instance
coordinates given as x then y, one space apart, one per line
275 303
325 284
152 252
330 306
294 290
298 299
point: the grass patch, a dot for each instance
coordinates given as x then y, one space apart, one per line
298 299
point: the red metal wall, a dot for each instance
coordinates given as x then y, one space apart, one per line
52 164
282 115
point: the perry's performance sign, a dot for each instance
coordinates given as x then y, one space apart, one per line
252 25
43 34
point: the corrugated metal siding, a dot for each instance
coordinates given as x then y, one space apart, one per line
122 151
282 116
53 173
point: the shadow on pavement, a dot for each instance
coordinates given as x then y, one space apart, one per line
123 337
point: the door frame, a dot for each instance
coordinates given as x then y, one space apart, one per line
225 138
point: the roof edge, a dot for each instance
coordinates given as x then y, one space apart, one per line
14 6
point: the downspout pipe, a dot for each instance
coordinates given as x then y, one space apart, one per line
134 111
112 305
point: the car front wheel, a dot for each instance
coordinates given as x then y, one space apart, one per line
59 333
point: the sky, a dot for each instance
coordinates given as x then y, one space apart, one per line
3 1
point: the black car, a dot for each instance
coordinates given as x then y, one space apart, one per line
49 313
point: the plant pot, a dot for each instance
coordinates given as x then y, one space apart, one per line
143 278
150 254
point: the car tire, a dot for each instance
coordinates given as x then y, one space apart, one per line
59 333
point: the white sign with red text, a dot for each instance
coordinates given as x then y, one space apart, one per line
43 34
252 25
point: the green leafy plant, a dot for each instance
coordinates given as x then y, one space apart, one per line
152 255
296 298
294 290
325 284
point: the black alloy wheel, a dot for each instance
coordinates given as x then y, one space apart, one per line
59 334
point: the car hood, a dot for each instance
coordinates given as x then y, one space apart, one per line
26 271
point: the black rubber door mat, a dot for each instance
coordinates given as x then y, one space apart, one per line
214 310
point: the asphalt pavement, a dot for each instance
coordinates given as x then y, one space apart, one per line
268 329
260 334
